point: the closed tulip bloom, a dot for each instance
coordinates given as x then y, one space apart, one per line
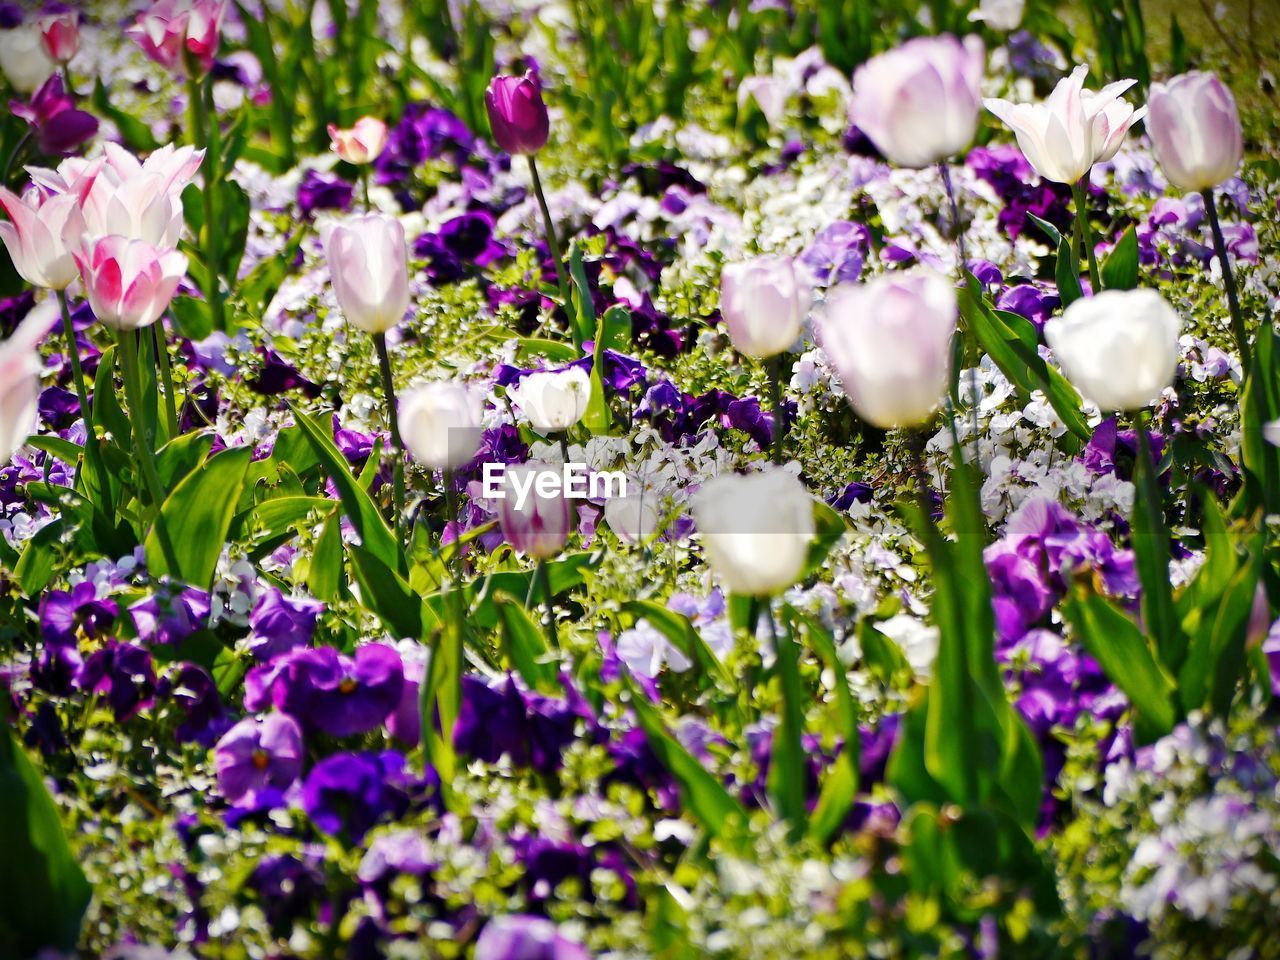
1057 136
552 400
441 423
362 143
171 30
1120 347
20 367
122 196
23 58
634 518
538 526
763 305
129 283
517 115
919 102
1195 130
369 264
755 529
56 124
36 237
890 341
60 33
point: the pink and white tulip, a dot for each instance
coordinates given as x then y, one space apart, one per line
919 102
369 265
20 367
129 283
173 30
38 236
539 525
1195 130
362 143
60 33
763 305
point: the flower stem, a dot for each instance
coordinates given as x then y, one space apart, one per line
393 420
1228 278
92 455
552 241
957 228
364 184
549 615
204 133
128 345
166 377
1084 235
776 404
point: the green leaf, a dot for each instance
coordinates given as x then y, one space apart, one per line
555 350
1115 641
1150 538
1048 229
585 313
135 132
1067 273
42 889
191 316
375 535
829 527
526 649
384 593
684 636
39 558
1120 271
180 456
196 517
324 577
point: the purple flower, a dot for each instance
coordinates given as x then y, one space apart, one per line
279 623
837 253
525 937
347 793
195 693
122 673
1029 301
517 115
328 691
1019 594
320 192
257 753
403 851
64 613
286 888
168 618
58 126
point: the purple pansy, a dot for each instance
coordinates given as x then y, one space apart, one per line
65 613
257 753
525 937
345 794
279 623
329 691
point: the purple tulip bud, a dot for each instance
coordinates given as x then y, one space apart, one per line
1195 130
517 115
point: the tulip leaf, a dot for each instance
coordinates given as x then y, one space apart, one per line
135 132
191 317
385 593
1150 537
375 535
1067 273
829 527
1049 230
324 576
196 517
583 311
180 456
1120 271
1260 405
555 350
1114 640
684 636
526 649
36 564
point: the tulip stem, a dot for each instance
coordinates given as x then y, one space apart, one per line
146 456
776 367
364 185
1084 235
393 421
204 134
1228 278
552 241
92 455
166 377
975 388
543 577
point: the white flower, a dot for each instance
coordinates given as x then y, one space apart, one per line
552 400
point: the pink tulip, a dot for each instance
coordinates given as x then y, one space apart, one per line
1195 130
61 35
124 197
129 283
170 29
763 305
38 235
517 115
20 367
369 264
362 143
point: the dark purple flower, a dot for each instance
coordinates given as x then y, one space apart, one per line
1029 301
1019 594
517 115
65 613
59 407
195 693
58 126
524 937
257 753
122 673
549 863
287 888
328 691
279 623
276 377
348 793
319 191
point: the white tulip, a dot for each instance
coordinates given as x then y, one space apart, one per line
755 529
369 266
552 400
441 423
1004 15
1119 347
763 305
634 518
20 367
23 58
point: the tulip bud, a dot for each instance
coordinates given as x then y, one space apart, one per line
369 265
890 341
23 58
362 143
1195 130
755 529
552 400
440 424
762 304
537 524
768 92
36 237
918 103
1119 347
517 115
634 518
129 283
1004 15
172 31
1058 136
60 33
20 367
